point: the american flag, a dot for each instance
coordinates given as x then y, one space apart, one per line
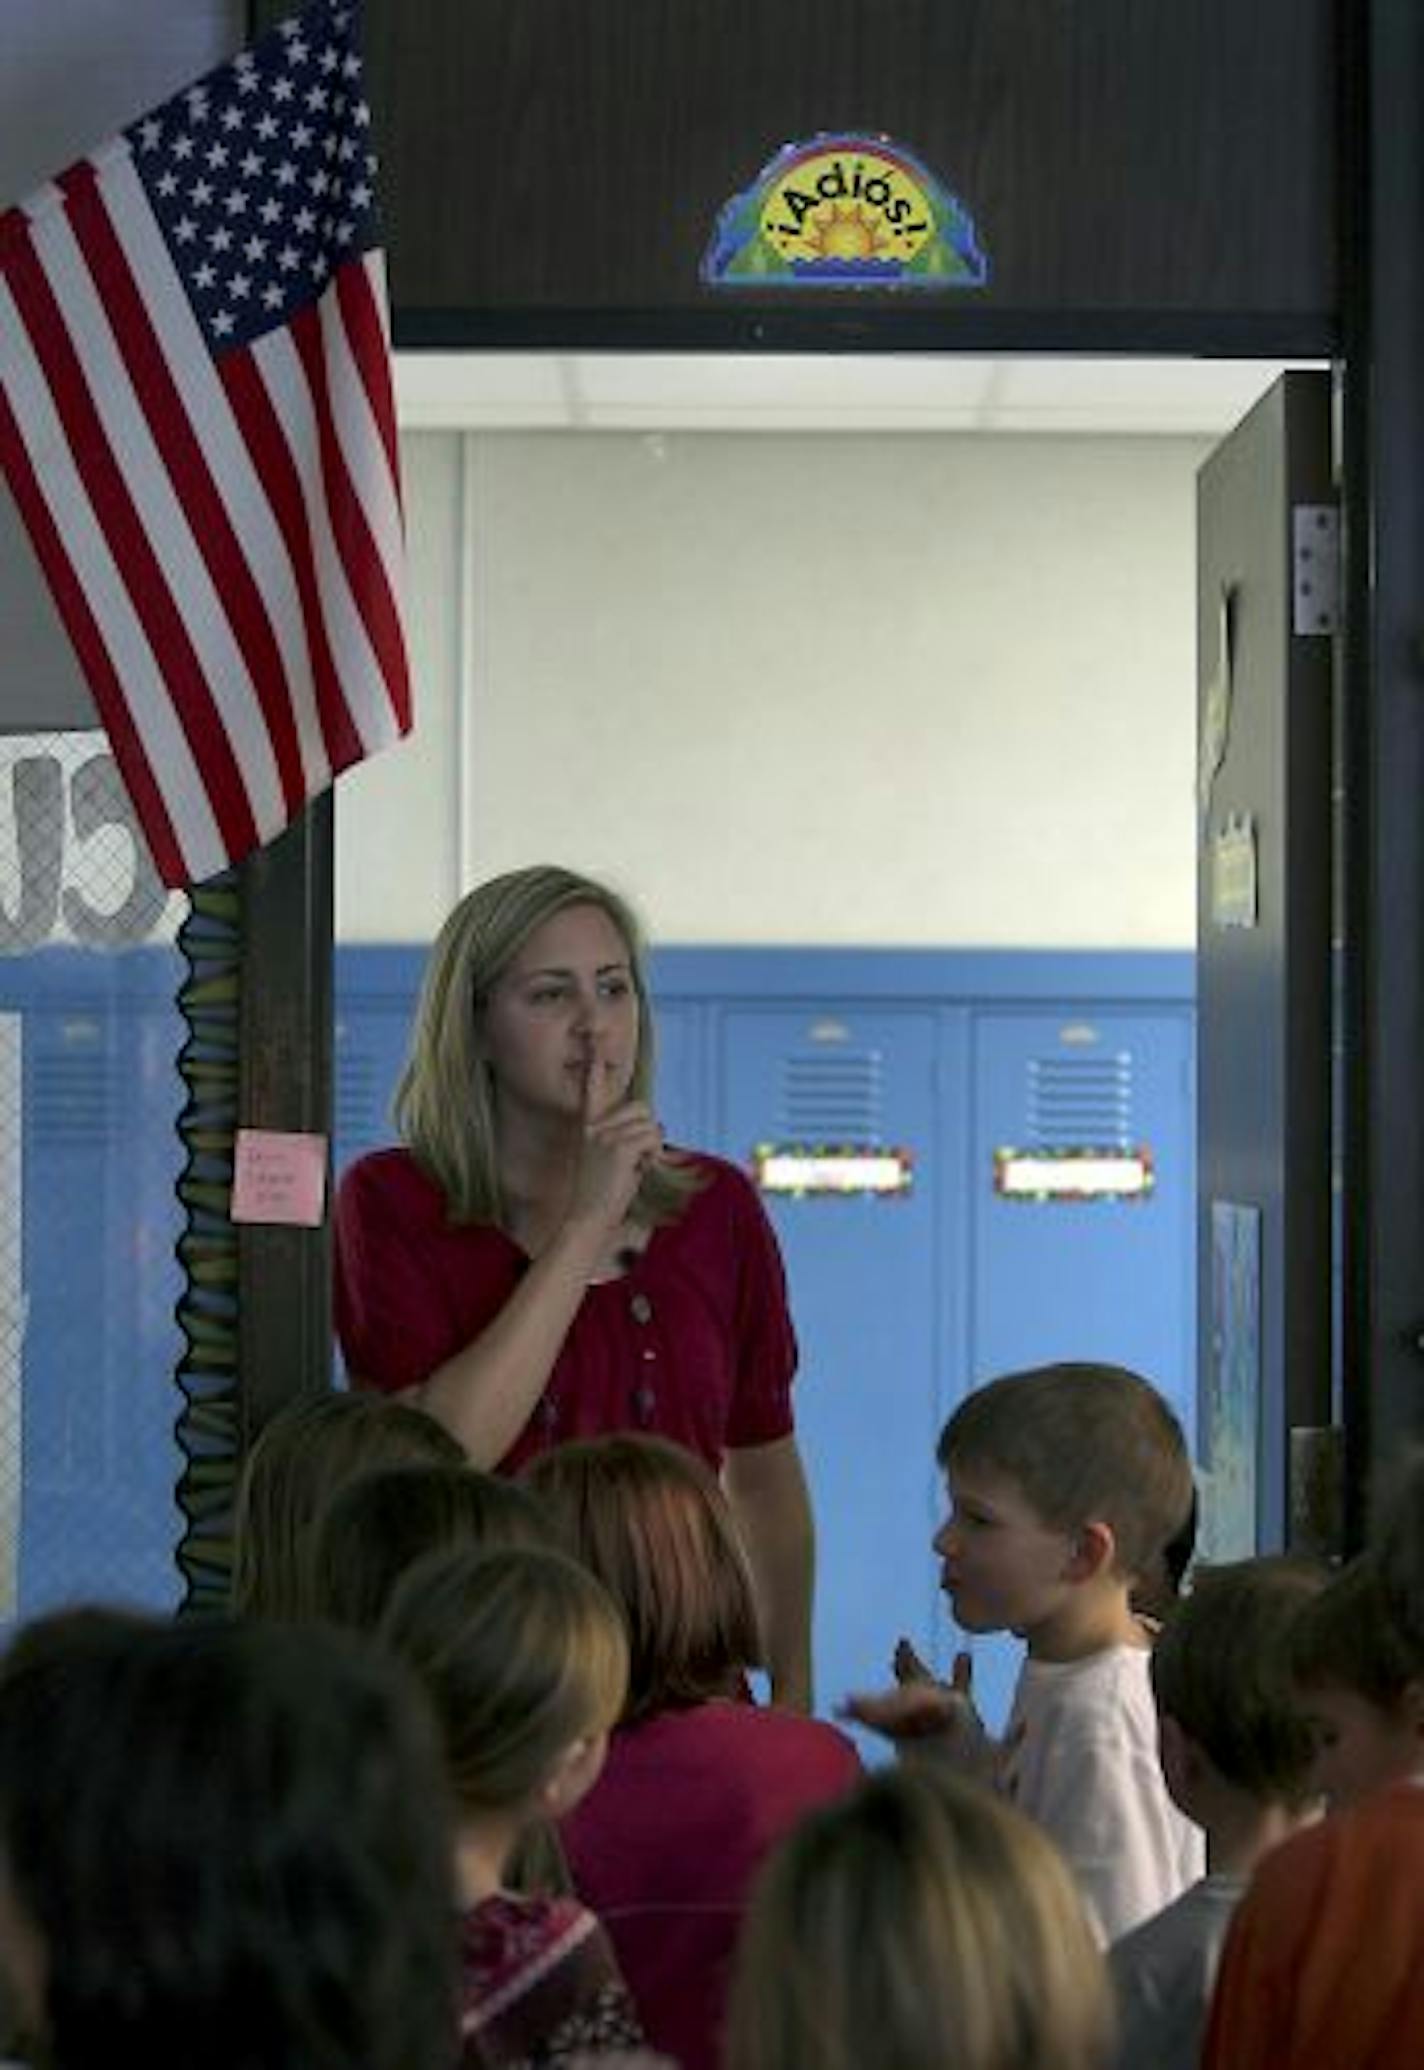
197 424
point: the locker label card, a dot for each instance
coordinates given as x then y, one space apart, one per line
802 1170
1082 1173
279 1178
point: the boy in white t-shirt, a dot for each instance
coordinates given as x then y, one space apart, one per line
1065 1482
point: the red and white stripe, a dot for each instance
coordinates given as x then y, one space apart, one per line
223 537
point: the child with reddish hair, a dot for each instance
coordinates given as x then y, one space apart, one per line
699 1781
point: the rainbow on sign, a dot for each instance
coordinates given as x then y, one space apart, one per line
845 211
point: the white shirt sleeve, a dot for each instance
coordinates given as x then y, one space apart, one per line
1081 1759
1108 1810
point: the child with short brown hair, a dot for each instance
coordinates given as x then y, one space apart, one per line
299 1462
1323 1968
1359 1683
376 1529
1065 1482
1237 1755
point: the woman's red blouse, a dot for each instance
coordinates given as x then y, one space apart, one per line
694 1341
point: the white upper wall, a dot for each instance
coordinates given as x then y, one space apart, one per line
822 689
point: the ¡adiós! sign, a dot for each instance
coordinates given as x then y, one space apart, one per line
845 211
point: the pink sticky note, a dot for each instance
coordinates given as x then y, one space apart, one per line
278 1178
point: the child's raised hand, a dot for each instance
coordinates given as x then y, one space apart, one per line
913 1710
908 1666
921 1709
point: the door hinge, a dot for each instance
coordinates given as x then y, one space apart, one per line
1315 568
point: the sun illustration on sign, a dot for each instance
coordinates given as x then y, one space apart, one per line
848 211
838 230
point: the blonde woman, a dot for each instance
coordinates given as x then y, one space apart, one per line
535 1264
523 1657
919 1924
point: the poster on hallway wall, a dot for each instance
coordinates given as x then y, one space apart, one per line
1232 1407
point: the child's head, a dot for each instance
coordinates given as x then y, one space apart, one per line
918 1922
1228 1706
650 1520
384 1522
1360 1682
1058 1475
222 1844
524 1658
301 1459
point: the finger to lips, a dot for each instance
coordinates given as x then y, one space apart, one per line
627 1121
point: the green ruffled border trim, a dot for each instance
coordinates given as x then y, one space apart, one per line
208 1424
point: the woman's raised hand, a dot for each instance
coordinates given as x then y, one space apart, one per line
615 1150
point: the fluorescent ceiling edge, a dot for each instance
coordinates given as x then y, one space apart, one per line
500 391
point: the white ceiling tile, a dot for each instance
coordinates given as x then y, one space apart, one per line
478 390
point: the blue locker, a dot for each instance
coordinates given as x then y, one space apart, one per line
98 1164
866 1276
680 1064
375 995
375 992
1105 1278
1063 1277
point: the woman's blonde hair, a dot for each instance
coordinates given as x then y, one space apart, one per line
650 1520
298 1463
521 1653
444 1105
917 1924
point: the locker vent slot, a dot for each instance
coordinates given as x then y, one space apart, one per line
1080 1099
71 1100
833 1098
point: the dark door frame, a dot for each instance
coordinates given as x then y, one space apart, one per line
1378 344
1381 837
